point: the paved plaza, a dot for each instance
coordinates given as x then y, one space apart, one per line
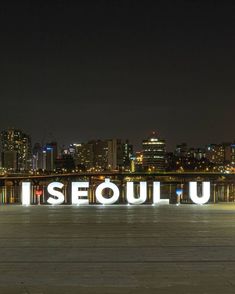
117 249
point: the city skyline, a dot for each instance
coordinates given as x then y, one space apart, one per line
19 154
118 69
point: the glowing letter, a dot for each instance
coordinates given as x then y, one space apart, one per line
76 194
205 192
53 192
156 192
156 195
107 185
25 193
130 193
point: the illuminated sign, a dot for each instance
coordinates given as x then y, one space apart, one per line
80 193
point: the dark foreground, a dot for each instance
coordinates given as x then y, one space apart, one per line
122 249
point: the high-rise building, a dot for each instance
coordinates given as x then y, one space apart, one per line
100 154
229 153
154 153
10 160
127 152
49 156
83 155
37 161
115 154
215 153
92 155
16 150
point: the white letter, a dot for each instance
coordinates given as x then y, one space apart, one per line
205 192
25 193
55 193
156 192
101 199
76 194
130 193
156 195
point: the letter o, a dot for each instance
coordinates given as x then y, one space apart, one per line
107 184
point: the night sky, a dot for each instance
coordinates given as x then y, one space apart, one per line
78 70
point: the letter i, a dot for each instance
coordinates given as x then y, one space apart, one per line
25 193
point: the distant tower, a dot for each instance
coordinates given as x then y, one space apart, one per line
127 155
115 154
49 156
37 156
154 153
15 150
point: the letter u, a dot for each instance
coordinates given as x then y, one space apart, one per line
205 192
130 193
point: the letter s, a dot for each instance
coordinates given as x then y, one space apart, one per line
51 190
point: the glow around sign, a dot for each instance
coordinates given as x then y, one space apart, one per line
80 191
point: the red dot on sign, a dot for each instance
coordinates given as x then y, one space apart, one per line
38 192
